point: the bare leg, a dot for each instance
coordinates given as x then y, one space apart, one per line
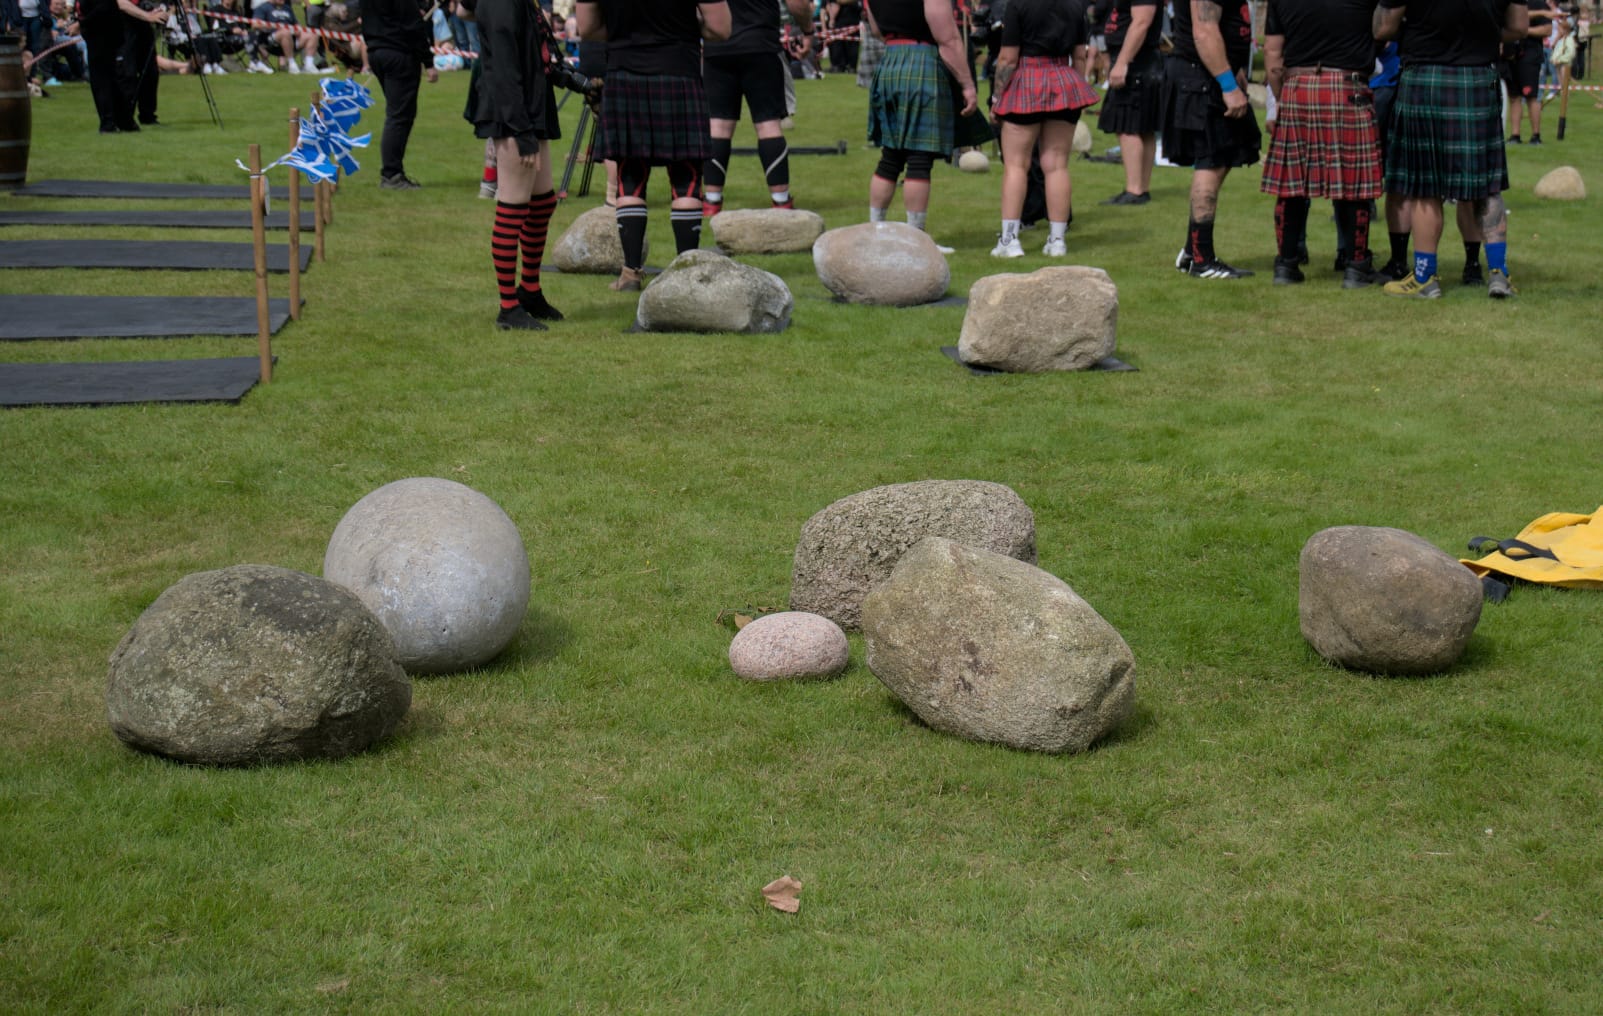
1017 142
1138 152
1057 138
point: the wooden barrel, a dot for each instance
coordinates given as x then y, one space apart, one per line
16 114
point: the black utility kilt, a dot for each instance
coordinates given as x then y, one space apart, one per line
1137 108
1196 131
661 118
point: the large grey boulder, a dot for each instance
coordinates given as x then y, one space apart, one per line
886 263
704 291
848 548
766 230
992 649
440 564
1385 601
1063 317
255 664
590 246
1562 184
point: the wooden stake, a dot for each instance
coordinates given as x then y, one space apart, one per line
1564 98
294 220
258 230
318 201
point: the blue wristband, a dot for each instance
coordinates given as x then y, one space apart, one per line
1227 82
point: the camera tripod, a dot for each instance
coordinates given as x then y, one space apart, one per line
587 119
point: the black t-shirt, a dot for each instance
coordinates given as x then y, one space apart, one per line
1118 21
1335 33
652 36
1235 26
1045 27
753 28
1457 33
901 19
1529 49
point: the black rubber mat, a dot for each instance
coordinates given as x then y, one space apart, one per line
179 255
140 189
105 384
132 317
1106 363
192 218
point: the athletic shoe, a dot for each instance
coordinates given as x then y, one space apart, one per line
1127 198
1287 272
308 65
1058 248
517 318
400 181
1429 290
1499 288
1536 139
1009 248
1472 274
788 206
1182 260
487 190
1360 274
948 250
1217 269
1514 139
218 69
294 68
711 208
1395 271
261 67
51 83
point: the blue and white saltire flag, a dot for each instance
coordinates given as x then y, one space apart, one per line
333 142
345 88
306 158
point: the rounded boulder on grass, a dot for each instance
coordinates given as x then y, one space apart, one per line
790 645
440 564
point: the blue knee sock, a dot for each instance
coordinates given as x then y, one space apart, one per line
1425 265
1497 257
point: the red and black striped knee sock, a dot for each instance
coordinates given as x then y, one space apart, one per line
532 239
509 220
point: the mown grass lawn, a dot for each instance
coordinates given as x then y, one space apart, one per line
584 825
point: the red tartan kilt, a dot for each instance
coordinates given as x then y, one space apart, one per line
1045 84
1325 144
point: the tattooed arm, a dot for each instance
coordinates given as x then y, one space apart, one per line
1210 42
1387 22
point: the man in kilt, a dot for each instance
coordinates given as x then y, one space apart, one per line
920 104
1319 54
750 64
1208 123
1134 92
654 110
1447 129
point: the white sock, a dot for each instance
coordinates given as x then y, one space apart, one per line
876 214
713 197
1010 230
1057 230
780 196
917 219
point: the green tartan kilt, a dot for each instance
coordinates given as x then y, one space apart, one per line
1446 137
913 104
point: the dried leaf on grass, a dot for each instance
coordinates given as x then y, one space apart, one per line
334 987
783 893
739 617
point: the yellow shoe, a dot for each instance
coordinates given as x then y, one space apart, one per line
1428 290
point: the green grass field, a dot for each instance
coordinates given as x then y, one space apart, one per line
584 825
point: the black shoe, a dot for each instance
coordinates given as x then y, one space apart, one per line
1217 269
1127 198
1536 139
109 128
400 181
1395 271
1286 272
1182 260
1361 274
517 318
128 128
1472 274
149 121
1514 139
1343 259
535 305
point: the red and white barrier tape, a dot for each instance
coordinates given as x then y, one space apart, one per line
324 33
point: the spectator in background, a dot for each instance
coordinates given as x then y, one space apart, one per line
285 41
397 40
139 75
844 14
351 53
1522 73
1132 29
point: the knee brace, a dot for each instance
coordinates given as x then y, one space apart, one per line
632 177
684 179
919 165
891 162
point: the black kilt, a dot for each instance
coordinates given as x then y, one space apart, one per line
1196 131
661 118
1137 108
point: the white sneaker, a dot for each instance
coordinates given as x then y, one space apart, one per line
308 65
294 68
945 249
218 69
1009 248
205 68
1057 248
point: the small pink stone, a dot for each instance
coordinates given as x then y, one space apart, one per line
789 645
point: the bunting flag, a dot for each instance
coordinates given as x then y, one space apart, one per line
333 141
309 160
